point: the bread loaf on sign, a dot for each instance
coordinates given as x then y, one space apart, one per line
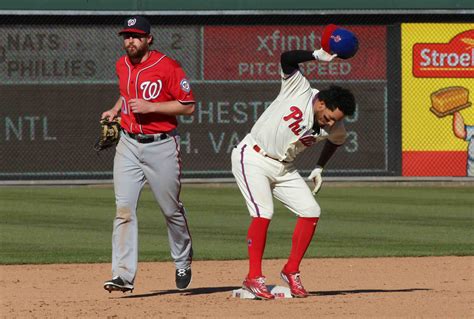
448 100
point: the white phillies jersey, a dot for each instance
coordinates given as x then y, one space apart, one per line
285 129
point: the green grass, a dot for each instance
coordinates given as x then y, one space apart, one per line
74 224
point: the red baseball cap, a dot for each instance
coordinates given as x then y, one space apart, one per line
136 24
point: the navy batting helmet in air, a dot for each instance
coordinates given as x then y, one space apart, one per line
340 41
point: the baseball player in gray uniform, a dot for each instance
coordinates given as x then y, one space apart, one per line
153 90
262 163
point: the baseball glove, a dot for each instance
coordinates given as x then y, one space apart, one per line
109 134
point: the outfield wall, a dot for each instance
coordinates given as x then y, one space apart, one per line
250 5
57 76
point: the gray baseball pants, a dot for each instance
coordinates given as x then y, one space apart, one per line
159 164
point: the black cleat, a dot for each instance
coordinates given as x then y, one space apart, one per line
183 278
118 284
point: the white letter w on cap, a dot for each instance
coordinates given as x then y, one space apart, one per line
132 22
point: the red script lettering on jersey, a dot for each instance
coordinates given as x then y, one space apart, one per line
297 116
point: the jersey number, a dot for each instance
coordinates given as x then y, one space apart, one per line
124 106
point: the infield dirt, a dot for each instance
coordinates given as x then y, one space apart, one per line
429 287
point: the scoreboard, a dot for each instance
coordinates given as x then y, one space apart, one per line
57 80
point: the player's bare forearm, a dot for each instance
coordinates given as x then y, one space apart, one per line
328 151
114 111
169 108
117 106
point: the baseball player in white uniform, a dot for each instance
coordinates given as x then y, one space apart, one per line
262 163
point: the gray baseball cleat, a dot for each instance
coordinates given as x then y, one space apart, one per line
118 284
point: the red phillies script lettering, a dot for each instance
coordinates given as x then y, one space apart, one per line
297 116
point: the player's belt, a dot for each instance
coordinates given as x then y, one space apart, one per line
148 138
257 149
